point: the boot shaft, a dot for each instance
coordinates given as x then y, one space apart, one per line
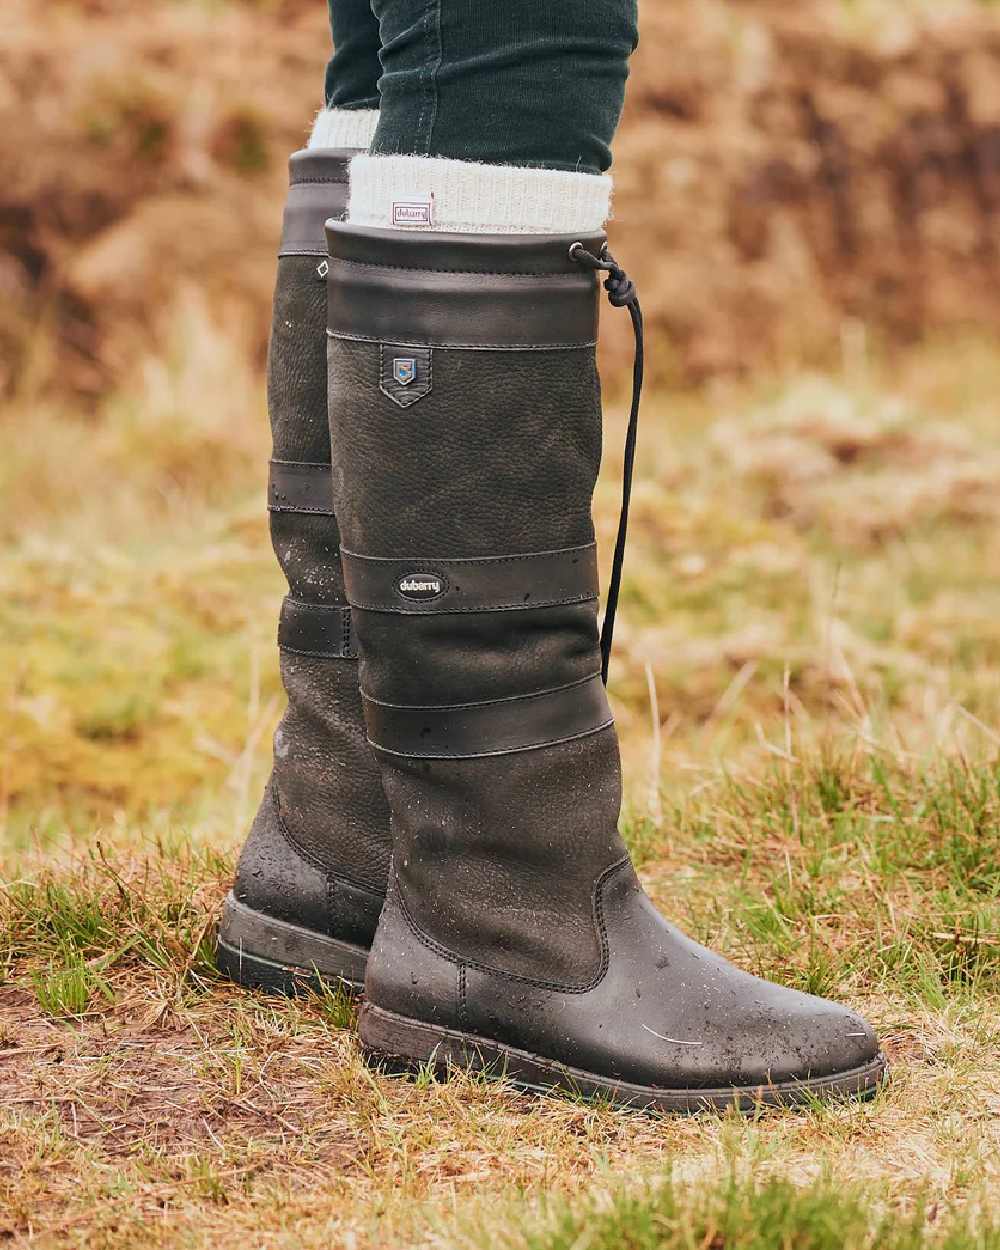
326 797
465 397
311 878
303 530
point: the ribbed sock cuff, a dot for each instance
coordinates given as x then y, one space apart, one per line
344 128
433 193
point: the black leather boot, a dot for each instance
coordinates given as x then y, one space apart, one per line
464 397
311 878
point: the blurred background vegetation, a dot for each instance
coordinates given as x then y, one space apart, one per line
808 196
782 170
807 667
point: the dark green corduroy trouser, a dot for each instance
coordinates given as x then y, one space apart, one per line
506 82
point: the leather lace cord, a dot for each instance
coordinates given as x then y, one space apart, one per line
621 294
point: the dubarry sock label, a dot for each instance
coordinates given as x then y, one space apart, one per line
413 212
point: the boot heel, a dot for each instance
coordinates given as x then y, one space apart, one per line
398 1046
261 952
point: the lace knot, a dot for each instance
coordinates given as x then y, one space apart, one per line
620 288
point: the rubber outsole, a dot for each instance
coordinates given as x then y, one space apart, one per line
397 1044
260 952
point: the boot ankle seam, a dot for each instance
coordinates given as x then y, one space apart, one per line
597 907
313 859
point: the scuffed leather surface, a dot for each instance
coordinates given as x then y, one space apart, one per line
497 858
276 877
296 363
308 550
500 458
326 776
444 659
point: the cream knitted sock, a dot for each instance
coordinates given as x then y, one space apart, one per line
434 193
344 128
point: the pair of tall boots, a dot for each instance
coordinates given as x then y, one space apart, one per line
447 837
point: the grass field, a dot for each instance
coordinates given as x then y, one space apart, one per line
807 685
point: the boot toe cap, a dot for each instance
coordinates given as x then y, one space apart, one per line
799 1038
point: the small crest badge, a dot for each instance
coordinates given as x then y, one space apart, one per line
405 379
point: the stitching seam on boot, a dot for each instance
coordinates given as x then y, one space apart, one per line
472 273
581 345
521 556
482 755
314 655
497 607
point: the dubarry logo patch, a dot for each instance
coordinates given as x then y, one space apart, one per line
404 370
420 586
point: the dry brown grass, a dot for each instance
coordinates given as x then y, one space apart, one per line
812 596
808 665
781 170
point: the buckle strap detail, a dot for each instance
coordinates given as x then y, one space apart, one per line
322 630
412 586
299 486
499 727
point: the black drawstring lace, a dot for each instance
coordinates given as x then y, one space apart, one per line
621 294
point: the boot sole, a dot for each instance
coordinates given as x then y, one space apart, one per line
396 1044
260 952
